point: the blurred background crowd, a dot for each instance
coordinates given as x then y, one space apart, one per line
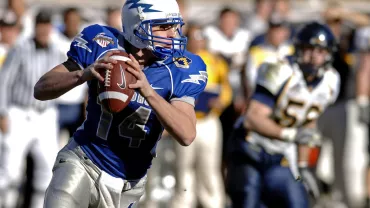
234 38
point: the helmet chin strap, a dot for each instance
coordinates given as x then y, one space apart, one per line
161 52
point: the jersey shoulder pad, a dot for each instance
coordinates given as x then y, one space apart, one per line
92 43
189 76
273 76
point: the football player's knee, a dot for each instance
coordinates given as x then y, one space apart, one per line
60 198
41 180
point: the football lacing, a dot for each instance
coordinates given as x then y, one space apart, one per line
107 78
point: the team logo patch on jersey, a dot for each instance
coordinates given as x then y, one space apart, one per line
183 62
103 40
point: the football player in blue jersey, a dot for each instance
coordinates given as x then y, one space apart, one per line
106 161
269 149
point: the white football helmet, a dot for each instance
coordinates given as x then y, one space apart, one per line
138 18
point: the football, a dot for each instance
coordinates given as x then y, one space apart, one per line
114 93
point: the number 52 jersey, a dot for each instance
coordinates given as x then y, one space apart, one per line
123 144
294 101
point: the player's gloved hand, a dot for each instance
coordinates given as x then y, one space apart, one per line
4 124
303 135
308 136
310 182
142 83
92 71
363 109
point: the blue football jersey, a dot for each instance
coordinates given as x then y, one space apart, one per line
123 144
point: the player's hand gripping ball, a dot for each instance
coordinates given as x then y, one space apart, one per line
114 92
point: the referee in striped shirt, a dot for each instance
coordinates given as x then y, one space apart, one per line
28 125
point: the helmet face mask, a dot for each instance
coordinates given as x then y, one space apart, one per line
155 25
313 60
314 45
160 45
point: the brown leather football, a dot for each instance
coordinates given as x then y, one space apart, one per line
114 93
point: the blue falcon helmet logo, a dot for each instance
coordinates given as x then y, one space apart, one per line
146 7
138 26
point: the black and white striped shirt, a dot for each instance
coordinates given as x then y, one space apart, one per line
23 67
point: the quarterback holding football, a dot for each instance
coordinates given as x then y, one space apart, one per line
106 162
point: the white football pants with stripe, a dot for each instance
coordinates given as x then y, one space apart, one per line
78 183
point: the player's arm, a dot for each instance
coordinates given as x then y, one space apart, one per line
258 119
270 81
177 117
85 58
68 75
56 82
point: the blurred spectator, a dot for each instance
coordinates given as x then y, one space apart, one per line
230 41
198 167
9 31
270 47
114 18
282 7
363 92
70 28
72 22
257 23
28 125
336 12
25 18
71 105
18 6
339 122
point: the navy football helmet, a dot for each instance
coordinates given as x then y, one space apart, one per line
314 35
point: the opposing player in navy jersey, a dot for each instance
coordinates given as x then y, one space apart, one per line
106 162
269 150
